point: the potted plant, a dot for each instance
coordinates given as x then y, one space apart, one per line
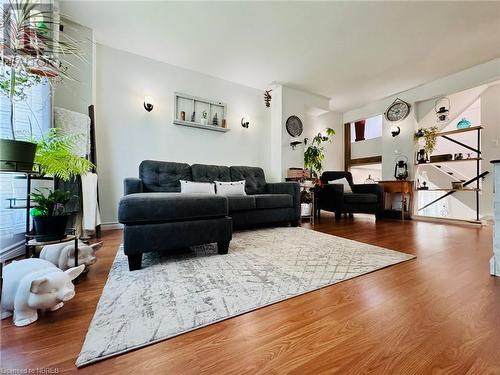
315 153
203 119
49 217
31 50
55 157
427 139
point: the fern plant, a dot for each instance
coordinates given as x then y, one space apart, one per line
315 153
55 157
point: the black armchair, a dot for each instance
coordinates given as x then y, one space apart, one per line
365 198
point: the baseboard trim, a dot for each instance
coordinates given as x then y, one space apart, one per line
443 220
13 252
111 226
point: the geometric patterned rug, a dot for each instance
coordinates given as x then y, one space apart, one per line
178 292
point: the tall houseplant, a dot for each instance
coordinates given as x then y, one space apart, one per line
31 50
315 152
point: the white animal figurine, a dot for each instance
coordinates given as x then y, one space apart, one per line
32 284
63 255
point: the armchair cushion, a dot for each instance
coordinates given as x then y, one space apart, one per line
376 189
356 198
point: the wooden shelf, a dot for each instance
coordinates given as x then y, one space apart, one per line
201 126
449 161
456 131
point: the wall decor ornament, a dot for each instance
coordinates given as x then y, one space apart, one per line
244 123
294 126
203 119
463 124
267 98
397 111
148 103
442 109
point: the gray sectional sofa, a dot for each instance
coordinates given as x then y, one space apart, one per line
158 217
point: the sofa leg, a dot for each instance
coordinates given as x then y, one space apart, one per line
134 262
222 247
295 223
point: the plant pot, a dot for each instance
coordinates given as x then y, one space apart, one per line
50 228
203 121
359 130
16 155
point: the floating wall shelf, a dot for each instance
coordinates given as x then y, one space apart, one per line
193 105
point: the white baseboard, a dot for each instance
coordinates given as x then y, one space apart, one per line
443 220
111 226
13 252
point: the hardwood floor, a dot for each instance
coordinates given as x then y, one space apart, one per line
439 313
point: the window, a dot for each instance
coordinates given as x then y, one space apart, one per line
31 118
372 128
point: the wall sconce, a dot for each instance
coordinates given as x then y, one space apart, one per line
395 130
245 122
148 103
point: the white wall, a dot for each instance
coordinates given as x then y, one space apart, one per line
127 134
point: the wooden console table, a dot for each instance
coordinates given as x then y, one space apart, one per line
405 188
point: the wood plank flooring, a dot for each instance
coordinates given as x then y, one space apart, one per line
437 314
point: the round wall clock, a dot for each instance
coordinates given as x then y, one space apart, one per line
397 111
294 126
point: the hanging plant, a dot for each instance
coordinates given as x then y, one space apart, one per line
315 153
430 136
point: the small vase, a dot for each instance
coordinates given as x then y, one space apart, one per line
463 124
203 121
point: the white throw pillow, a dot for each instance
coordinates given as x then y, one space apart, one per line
190 187
343 181
230 188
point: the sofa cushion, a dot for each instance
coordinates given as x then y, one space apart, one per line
273 201
240 203
254 177
210 173
163 176
360 198
155 207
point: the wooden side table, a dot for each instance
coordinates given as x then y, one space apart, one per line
405 188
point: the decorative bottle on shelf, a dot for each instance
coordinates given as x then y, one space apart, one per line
215 121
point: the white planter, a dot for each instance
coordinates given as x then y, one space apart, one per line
203 121
305 209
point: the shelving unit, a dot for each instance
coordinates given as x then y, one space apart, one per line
192 104
475 180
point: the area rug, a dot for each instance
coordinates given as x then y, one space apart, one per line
177 293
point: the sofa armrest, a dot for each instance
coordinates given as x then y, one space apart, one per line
132 185
292 188
331 197
376 189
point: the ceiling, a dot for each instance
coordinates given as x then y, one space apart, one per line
350 52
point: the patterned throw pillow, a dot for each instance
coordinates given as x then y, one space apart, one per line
230 188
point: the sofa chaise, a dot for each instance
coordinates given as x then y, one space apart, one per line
158 217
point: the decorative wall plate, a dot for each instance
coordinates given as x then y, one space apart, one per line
397 111
294 126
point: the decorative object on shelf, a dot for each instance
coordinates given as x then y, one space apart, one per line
441 157
401 168
422 156
469 155
244 123
359 130
464 124
295 144
315 153
215 121
224 123
397 111
31 52
427 138
148 103
32 284
62 255
49 217
183 116
395 130
193 116
298 173
457 185
203 119
370 180
294 126
267 98
422 186
442 108
458 156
